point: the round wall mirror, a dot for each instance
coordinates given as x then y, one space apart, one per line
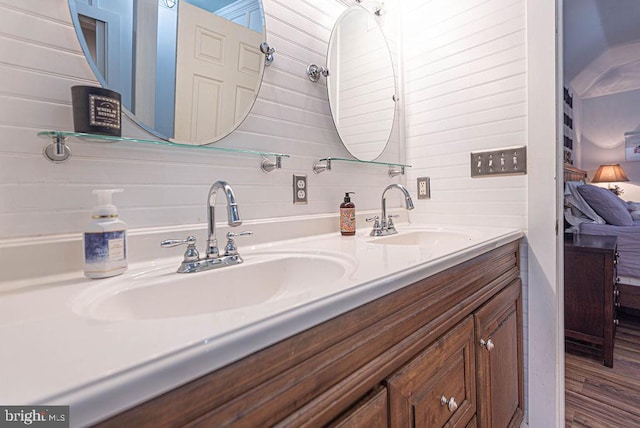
187 70
361 83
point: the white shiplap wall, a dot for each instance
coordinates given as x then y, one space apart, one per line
465 86
40 59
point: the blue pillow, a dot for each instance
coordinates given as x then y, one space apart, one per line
608 206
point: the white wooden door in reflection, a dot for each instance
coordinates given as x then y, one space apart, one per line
218 73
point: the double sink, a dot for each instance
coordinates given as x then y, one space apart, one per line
157 292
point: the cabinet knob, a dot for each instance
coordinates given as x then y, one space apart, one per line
450 403
488 344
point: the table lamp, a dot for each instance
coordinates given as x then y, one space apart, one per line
610 173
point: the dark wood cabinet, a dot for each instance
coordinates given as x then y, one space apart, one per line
499 360
471 376
590 295
417 347
438 387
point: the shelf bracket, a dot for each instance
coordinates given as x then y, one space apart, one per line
269 165
396 170
319 167
57 151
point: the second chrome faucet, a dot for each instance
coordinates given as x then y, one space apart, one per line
192 261
384 226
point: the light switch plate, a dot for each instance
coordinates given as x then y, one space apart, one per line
300 191
507 161
424 188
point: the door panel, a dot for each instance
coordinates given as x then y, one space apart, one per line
226 56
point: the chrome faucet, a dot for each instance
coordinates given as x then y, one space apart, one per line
384 226
192 261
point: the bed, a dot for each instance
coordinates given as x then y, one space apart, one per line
627 231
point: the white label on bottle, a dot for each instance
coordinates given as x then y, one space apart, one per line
116 249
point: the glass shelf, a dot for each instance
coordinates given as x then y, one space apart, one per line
58 151
324 164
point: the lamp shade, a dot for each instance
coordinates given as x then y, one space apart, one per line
610 173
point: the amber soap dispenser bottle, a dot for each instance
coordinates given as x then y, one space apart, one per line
347 216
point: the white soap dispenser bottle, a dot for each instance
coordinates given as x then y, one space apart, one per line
105 239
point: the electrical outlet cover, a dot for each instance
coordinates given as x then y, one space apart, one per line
424 188
300 195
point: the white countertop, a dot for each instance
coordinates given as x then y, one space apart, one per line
55 354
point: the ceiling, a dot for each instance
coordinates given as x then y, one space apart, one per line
601 45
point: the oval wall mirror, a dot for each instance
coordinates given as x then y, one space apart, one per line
188 70
361 83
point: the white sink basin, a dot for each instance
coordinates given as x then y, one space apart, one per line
162 293
426 238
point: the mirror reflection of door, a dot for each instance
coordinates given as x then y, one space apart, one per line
131 46
218 65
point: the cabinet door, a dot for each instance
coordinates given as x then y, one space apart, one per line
437 388
499 359
370 413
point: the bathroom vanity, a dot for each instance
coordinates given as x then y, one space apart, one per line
424 325
445 350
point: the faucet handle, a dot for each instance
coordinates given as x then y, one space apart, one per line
233 234
376 225
231 249
191 253
167 243
390 220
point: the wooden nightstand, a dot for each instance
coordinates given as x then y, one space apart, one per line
590 295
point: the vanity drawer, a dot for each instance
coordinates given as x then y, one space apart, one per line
371 412
438 387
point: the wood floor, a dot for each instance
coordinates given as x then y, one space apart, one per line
598 396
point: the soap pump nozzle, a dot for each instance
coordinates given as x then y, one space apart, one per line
105 207
347 198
